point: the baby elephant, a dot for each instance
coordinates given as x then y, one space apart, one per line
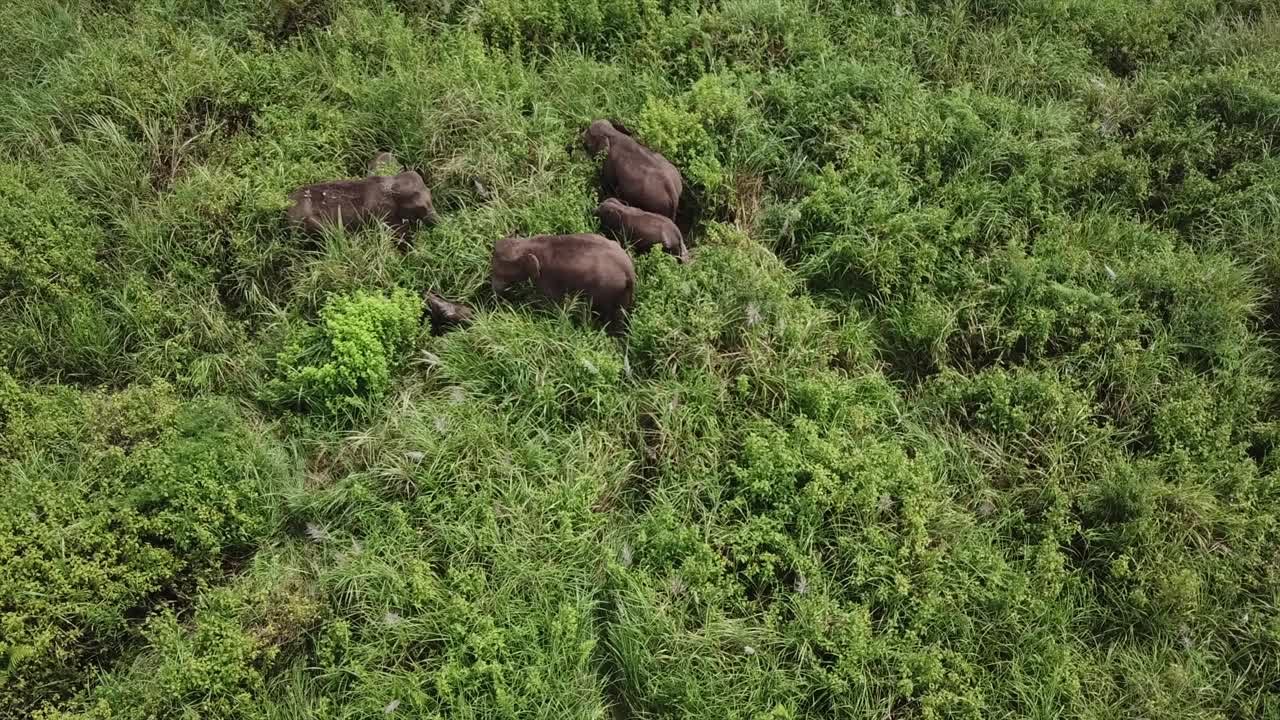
641 229
633 172
446 315
401 201
560 265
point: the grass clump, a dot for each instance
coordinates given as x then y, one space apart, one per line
537 27
48 270
567 374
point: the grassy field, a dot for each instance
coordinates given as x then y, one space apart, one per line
965 408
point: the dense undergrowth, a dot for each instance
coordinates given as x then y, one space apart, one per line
965 408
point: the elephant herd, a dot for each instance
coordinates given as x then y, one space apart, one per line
643 195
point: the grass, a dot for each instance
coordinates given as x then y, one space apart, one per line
965 408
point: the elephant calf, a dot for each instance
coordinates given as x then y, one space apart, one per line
632 172
445 314
561 265
641 229
401 201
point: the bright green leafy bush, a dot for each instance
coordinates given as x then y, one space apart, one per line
715 136
345 362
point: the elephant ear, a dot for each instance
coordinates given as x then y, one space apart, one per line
597 143
531 264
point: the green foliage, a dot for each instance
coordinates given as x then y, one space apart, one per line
115 502
732 310
49 242
48 270
711 133
540 26
679 134
341 364
549 370
822 534
965 406
215 665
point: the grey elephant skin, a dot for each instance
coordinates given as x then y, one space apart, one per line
641 229
632 172
401 201
560 265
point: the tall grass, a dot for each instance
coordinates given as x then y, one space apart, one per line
965 407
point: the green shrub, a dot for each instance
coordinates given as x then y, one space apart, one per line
216 659
813 535
731 299
49 243
345 362
678 133
822 101
54 320
116 504
1124 37
713 135
459 567
857 231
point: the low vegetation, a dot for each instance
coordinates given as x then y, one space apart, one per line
966 406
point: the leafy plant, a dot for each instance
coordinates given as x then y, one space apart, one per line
345 362
117 504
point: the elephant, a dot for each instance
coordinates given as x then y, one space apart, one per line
560 265
641 229
445 314
632 172
401 201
